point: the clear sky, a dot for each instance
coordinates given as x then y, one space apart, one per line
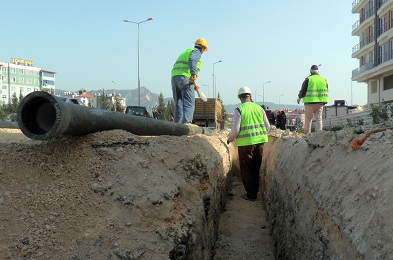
88 45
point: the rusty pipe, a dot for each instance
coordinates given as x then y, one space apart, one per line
42 116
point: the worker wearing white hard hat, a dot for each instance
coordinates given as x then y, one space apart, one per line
250 128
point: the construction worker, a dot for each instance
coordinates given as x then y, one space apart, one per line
184 75
315 95
250 127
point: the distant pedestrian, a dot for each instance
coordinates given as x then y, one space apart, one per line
315 95
283 120
278 120
184 75
250 127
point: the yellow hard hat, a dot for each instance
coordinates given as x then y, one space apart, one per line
202 42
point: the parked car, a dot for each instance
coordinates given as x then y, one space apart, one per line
140 111
72 100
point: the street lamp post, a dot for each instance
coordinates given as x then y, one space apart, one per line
264 91
279 102
139 80
214 81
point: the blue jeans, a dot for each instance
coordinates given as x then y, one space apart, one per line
184 96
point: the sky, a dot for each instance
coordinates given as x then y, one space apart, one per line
89 46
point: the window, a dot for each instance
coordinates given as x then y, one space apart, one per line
48 74
12 70
388 83
3 68
4 96
4 87
20 71
28 81
28 90
373 87
13 79
13 88
35 81
4 78
21 80
28 72
21 89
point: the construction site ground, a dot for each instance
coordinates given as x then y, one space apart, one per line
70 198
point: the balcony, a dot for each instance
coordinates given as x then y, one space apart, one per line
363 43
361 69
364 18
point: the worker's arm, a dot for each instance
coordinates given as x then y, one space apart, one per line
303 90
192 62
235 127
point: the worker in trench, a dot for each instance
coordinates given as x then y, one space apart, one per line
184 76
250 129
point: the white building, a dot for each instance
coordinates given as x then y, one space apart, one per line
375 49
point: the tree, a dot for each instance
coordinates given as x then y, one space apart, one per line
104 104
223 111
14 103
161 109
170 110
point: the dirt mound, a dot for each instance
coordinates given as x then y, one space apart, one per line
106 195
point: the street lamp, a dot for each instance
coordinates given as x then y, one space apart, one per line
214 83
139 80
114 96
264 91
279 103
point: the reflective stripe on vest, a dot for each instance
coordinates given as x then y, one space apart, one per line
252 126
317 90
182 67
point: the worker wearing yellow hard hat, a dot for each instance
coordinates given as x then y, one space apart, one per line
184 75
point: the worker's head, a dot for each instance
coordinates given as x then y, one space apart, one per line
314 69
201 44
244 94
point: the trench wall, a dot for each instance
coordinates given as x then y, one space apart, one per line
325 200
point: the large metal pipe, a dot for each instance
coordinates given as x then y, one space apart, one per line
42 116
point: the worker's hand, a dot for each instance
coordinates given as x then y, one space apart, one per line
196 87
193 79
298 100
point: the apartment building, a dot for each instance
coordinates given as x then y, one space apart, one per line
20 77
375 48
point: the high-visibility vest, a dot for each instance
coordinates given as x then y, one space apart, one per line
182 67
317 90
252 126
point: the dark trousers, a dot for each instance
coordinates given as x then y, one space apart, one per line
250 159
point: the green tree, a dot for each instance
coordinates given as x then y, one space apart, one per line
161 109
170 110
104 103
15 103
223 111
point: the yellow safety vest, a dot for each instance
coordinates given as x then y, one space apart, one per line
252 126
317 90
182 67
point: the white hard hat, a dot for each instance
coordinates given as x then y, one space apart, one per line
243 90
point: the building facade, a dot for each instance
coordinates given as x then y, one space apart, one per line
375 49
19 77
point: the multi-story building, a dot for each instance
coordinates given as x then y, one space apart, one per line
20 77
375 48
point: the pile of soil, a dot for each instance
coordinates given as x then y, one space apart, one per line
106 195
